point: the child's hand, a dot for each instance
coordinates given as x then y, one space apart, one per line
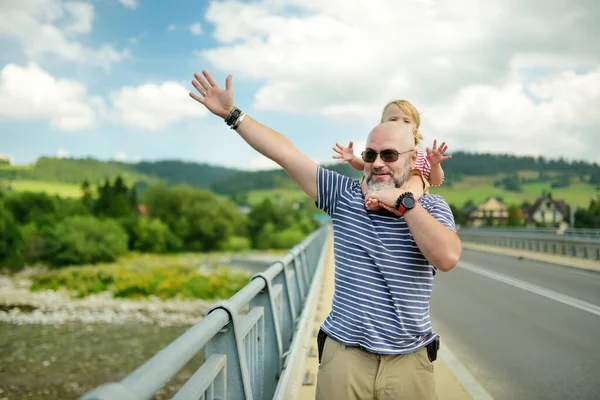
372 204
383 199
436 155
385 196
344 153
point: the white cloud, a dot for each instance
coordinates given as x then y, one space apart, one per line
45 27
196 29
131 4
263 163
136 39
152 107
82 17
171 27
556 115
459 62
30 92
121 156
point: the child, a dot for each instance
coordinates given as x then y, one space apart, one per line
427 170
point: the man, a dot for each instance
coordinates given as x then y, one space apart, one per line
379 328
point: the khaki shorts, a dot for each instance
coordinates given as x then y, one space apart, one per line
351 373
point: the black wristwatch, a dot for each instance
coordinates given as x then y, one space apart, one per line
405 202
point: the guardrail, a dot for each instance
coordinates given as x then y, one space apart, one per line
526 239
571 232
244 353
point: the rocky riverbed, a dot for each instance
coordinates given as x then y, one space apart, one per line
56 347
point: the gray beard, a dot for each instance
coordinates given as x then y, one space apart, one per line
394 184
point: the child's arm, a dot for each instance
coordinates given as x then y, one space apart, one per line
435 157
416 183
347 154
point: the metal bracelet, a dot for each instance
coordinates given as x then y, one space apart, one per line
238 121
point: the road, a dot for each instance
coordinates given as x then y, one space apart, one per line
524 329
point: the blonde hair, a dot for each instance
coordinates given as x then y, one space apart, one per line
407 108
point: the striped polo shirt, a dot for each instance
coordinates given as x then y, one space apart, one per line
382 280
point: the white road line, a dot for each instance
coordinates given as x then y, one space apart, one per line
464 377
550 294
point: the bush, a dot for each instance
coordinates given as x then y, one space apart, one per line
236 243
287 238
154 236
86 240
34 244
83 281
138 282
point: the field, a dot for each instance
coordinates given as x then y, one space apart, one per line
480 188
475 188
10 167
52 188
288 195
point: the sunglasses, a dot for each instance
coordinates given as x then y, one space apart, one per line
388 155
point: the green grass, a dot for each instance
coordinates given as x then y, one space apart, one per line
23 167
142 275
288 195
52 188
579 194
476 188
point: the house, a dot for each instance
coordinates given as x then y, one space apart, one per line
491 211
6 160
547 212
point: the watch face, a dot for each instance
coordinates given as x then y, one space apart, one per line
408 202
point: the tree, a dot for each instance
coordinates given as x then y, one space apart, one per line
459 217
86 240
200 219
29 207
589 218
10 239
86 197
154 236
515 216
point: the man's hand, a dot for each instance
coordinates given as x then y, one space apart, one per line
344 153
219 101
436 155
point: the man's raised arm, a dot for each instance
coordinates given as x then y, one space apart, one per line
266 141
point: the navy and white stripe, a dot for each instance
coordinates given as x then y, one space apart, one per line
382 280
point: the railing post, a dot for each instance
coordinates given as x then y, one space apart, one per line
299 275
272 339
229 343
288 314
305 271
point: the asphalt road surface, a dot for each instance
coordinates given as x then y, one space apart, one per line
524 329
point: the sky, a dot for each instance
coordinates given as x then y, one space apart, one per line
110 79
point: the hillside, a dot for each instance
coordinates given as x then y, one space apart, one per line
176 172
469 176
73 171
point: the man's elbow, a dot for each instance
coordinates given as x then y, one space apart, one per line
449 260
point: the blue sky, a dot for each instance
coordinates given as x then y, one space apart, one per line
109 78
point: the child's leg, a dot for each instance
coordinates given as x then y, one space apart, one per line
372 205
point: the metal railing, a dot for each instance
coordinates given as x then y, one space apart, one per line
574 245
571 232
244 353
